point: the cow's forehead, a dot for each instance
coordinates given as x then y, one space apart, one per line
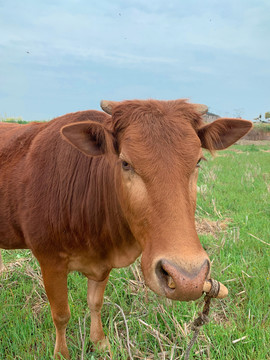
160 152
163 115
157 130
161 136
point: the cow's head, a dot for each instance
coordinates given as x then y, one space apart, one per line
157 149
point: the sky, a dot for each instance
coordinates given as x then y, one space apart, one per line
62 56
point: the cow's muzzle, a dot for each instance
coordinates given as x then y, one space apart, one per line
179 284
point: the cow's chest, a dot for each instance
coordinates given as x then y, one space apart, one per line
97 267
93 267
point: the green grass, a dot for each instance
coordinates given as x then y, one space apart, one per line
233 198
17 120
265 127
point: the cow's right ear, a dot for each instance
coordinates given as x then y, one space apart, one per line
90 137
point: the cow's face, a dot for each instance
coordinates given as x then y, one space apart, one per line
157 148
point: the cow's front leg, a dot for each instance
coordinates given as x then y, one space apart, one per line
55 281
95 295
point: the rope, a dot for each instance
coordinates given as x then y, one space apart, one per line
197 323
203 316
215 287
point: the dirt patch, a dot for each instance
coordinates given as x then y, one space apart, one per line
238 151
253 142
267 151
221 155
211 227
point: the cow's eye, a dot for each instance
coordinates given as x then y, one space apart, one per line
126 166
198 163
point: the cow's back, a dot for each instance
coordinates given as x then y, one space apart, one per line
15 140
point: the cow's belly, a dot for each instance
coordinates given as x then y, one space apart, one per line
9 237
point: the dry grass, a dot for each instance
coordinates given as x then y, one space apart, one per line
211 227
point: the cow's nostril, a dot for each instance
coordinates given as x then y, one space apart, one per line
181 284
164 272
171 283
164 277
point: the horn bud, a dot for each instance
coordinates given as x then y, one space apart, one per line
200 108
108 106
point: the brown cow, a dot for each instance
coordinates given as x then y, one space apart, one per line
90 192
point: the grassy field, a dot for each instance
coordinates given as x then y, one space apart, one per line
233 221
262 126
17 120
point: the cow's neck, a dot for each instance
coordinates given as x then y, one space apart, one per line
105 229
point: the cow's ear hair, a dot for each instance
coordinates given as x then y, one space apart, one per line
90 137
222 133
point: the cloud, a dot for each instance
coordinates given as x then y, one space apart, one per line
167 48
138 35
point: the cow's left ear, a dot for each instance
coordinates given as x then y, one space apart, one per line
90 137
222 133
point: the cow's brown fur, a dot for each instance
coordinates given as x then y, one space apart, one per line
78 212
